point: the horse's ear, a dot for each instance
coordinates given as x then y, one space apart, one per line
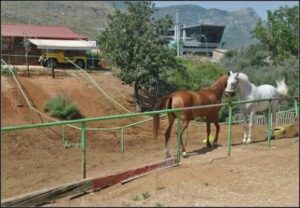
229 73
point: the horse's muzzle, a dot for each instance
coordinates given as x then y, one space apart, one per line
229 94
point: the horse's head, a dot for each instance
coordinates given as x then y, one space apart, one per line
232 84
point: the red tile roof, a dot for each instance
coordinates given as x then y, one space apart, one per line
39 31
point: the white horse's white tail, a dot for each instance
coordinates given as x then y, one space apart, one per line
282 89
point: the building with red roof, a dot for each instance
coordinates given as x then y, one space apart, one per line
40 32
12 36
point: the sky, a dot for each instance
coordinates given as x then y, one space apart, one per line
260 7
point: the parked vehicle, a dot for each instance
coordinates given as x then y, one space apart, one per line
56 57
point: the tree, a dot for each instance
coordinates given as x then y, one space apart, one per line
136 43
280 33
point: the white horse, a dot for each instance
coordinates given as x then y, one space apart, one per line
239 82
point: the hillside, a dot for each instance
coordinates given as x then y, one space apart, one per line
85 17
82 17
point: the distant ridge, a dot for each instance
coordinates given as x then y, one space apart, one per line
88 17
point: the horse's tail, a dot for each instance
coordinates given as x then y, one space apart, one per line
158 106
282 89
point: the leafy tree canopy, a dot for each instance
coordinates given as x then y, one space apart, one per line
135 43
280 33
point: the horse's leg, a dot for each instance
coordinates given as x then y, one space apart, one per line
185 123
252 113
216 122
245 127
171 118
208 132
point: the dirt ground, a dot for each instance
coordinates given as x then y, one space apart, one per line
254 175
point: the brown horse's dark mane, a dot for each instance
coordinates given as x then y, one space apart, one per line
218 86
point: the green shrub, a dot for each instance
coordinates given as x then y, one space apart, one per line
6 72
60 106
197 74
146 195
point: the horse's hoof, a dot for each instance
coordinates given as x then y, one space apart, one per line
248 142
208 145
184 155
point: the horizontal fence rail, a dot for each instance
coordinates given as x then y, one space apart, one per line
178 112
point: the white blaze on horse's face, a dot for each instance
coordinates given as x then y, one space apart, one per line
232 84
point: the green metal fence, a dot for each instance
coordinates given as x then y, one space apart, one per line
178 111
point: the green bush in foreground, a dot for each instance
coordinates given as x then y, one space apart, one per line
60 106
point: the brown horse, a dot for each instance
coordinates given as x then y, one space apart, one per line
185 98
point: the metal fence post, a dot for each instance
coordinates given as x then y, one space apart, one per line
186 135
178 136
269 124
122 140
83 149
229 136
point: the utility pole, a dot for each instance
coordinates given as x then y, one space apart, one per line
177 32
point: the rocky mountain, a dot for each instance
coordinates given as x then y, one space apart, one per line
86 17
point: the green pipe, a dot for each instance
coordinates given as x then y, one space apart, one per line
83 149
296 107
229 136
128 115
269 125
122 140
57 123
186 135
178 137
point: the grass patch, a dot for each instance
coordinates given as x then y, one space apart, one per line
146 195
61 106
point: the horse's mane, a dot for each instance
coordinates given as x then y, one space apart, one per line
218 86
243 77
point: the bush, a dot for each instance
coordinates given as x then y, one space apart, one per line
60 106
197 74
5 71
